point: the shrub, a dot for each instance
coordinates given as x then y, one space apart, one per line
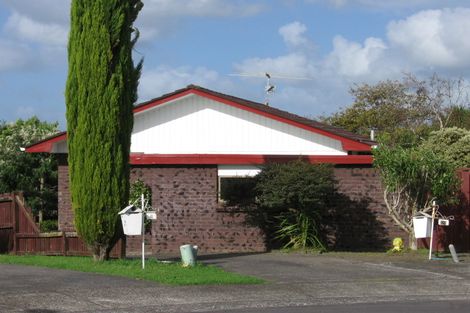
48 226
293 197
413 179
135 193
450 144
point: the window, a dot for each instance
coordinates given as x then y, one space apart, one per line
237 191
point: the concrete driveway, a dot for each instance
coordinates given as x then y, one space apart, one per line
294 280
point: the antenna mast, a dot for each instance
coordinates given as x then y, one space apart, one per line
269 88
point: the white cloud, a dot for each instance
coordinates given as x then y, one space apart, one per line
13 55
24 27
390 4
42 11
422 43
293 34
221 8
162 16
434 37
33 20
350 58
294 64
164 79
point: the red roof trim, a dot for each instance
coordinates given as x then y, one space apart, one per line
46 144
205 159
163 100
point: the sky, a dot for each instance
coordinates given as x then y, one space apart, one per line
333 44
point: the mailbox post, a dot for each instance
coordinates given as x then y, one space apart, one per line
133 222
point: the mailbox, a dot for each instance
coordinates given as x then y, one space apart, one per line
422 226
131 218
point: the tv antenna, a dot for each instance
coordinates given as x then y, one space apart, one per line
269 88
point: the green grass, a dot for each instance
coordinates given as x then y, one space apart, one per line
171 274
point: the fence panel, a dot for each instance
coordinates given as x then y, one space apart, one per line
6 239
58 243
458 232
6 218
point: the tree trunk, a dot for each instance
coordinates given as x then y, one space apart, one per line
100 253
412 244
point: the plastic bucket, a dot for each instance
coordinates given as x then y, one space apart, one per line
188 255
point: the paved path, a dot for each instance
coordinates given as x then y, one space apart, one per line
294 281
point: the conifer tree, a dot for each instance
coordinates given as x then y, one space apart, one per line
100 93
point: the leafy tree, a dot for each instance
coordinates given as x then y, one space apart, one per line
296 194
459 117
404 112
100 93
386 107
413 178
34 174
438 96
451 144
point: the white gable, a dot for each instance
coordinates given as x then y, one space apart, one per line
197 125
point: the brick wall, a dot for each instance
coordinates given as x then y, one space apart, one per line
360 220
65 219
188 212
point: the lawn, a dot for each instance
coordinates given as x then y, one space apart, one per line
165 273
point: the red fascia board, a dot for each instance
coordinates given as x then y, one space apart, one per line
46 145
162 101
206 159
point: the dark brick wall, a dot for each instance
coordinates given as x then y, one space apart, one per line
188 212
65 213
360 220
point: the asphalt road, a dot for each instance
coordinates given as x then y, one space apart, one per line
388 307
296 283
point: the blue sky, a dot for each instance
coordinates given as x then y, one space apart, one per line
335 43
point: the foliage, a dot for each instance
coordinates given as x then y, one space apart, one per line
237 191
171 274
34 174
135 197
459 117
438 96
389 108
136 190
413 178
299 230
296 194
451 144
404 112
100 93
48 226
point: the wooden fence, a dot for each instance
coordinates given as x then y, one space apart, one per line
19 234
458 232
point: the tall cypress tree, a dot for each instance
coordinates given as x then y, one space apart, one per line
100 93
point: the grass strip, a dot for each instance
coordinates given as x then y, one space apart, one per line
170 274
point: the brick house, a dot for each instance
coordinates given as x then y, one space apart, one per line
188 144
